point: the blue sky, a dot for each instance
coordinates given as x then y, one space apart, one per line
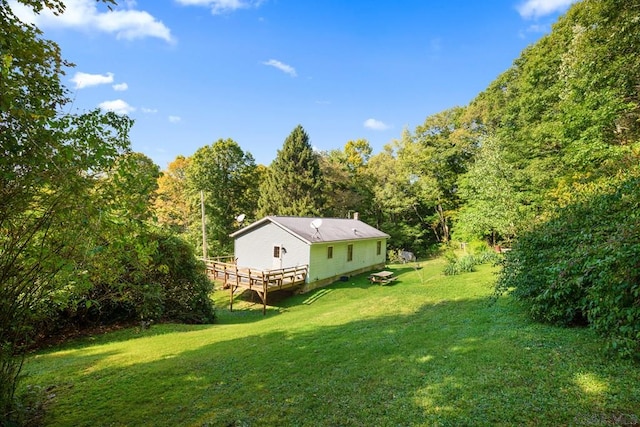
193 71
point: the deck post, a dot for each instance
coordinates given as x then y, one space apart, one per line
265 293
277 279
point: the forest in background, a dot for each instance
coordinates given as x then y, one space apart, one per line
545 160
564 116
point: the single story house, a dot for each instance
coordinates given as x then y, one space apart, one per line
330 247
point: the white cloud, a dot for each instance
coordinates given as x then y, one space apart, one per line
282 67
537 8
435 45
374 124
148 110
535 29
175 119
84 15
120 87
222 6
83 80
117 106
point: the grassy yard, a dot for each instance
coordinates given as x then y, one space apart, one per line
427 350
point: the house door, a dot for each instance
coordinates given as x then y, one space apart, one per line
277 257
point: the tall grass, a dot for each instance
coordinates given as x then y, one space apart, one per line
427 350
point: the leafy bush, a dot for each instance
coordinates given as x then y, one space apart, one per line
467 263
583 264
185 287
393 257
147 277
489 257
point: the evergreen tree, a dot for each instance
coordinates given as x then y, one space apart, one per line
294 182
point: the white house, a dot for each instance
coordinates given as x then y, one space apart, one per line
330 247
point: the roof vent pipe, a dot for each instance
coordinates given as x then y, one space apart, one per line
356 216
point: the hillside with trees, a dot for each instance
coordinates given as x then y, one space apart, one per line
544 161
78 246
564 126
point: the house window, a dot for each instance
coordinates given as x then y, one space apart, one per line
276 251
350 253
378 247
329 252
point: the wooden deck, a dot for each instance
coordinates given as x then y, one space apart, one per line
262 282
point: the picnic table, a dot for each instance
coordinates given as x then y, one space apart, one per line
382 277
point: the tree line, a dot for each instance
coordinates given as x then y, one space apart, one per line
545 160
409 190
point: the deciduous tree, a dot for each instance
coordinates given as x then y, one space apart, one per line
174 207
228 177
347 188
435 156
48 165
492 208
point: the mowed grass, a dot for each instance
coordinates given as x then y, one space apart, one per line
428 350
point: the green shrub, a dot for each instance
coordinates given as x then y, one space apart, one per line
467 263
451 269
185 287
454 266
487 256
583 264
393 257
149 277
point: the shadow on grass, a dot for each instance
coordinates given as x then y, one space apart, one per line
453 363
248 306
121 335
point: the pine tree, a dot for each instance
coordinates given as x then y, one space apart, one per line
293 185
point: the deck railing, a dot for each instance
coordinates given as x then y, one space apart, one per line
261 281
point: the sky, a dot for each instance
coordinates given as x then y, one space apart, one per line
190 72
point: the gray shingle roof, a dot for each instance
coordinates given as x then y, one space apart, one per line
331 230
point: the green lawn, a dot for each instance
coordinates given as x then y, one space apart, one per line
427 350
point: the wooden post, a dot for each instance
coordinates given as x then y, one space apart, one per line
204 227
264 300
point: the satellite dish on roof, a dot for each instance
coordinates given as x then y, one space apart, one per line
316 223
240 218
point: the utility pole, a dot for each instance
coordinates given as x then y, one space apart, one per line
204 228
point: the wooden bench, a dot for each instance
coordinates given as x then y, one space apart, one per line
383 277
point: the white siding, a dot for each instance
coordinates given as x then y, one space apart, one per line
255 249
